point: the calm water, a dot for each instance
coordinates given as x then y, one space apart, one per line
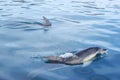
76 25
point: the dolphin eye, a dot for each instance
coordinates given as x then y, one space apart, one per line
104 49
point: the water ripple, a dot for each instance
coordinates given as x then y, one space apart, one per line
99 77
75 25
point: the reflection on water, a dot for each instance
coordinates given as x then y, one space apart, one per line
76 25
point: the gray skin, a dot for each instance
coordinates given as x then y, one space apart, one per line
46 22
78 58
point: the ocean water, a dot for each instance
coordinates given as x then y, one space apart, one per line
76 25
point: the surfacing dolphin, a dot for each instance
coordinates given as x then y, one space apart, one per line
46 22
77 58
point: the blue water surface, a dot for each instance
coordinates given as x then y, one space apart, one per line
76 25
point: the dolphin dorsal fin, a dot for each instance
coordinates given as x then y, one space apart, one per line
46 22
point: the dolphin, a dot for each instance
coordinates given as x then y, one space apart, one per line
80 57
46 22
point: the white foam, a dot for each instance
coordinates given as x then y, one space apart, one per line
66 55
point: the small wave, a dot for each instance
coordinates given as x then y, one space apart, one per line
83 70
33 29
99 77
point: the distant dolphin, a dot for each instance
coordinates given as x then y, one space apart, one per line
78 58
46 22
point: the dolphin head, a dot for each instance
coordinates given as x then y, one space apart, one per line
101 50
